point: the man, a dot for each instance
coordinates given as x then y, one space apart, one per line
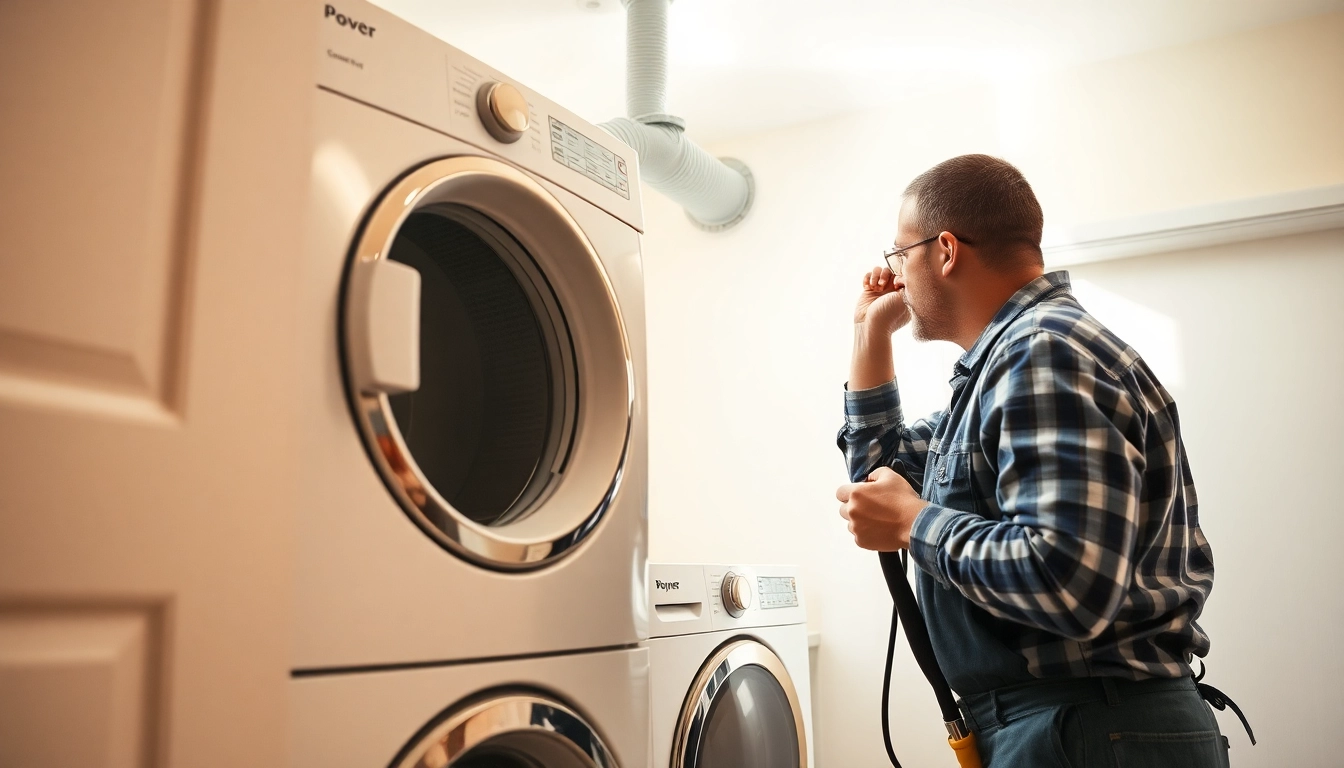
1050 508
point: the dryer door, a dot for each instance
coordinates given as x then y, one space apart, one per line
486 362
741 712
519 730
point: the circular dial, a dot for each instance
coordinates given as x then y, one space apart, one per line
736 593
503 111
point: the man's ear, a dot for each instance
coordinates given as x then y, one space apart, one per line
948 252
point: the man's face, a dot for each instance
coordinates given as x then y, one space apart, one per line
924 292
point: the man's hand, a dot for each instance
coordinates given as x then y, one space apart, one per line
881 304
880 510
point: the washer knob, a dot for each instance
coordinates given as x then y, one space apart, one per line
503 111
736 593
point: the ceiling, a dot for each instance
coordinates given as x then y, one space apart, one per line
743 66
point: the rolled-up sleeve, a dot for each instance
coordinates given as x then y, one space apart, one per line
875 435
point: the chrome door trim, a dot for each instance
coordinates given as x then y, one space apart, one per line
457 731
474 542
729 658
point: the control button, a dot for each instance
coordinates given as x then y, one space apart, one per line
736 593
503 111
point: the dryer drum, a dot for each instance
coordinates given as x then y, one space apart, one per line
496 367
486 363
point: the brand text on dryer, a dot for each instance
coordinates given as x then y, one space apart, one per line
666 586
346 21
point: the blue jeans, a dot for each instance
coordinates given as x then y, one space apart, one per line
1096 723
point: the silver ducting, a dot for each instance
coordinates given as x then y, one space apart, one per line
715 193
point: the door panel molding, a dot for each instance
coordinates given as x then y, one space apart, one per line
106 331
80 684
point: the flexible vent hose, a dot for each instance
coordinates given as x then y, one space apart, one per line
715 193
646 60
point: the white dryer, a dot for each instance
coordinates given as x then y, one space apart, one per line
589 712
472 395
729 667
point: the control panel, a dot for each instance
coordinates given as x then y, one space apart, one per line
777 591
573 149
407 73
689 598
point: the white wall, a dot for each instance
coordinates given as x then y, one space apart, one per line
1255 114
749 338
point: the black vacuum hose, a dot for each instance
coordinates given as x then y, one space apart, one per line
894 566
886 682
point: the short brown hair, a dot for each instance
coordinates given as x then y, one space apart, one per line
979 198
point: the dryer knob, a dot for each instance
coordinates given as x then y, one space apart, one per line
503 111
736 593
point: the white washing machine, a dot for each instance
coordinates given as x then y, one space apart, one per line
472 391
729 667
590 712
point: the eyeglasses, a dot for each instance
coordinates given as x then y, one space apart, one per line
896 256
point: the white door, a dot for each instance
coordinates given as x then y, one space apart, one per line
154 163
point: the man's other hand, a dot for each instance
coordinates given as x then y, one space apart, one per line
880 510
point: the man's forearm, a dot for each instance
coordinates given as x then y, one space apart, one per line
871 365
1046 578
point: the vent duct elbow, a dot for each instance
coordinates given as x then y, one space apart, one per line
715 193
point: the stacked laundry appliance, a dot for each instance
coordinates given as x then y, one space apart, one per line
730 669
470 589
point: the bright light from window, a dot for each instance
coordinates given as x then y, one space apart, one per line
1152 333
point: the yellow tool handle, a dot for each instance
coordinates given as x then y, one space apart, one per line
968 755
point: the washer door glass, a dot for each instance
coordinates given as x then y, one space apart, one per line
487 363
742 712
750 724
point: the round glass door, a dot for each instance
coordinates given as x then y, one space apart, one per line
497 395
507 730
487 363
742 712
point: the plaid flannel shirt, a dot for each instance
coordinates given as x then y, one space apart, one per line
1069 514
